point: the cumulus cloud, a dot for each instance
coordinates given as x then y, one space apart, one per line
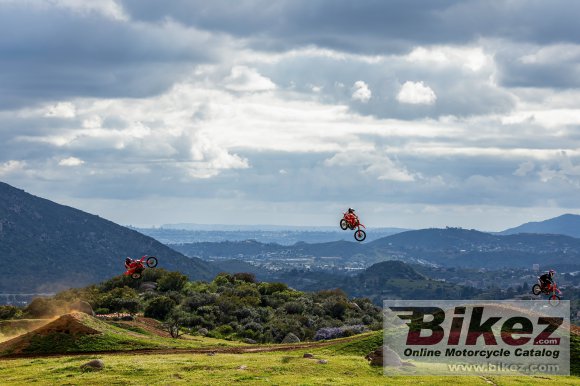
563 168
11 166
416 93
61 110
372 163
361 91
246 79
249 103
65 49
71 161
524 169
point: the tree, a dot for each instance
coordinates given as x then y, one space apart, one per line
172 281
175 319
159 307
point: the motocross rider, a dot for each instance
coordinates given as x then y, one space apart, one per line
352 217
547 279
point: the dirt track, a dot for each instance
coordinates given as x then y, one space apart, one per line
201 350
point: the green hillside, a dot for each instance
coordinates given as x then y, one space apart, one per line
45 246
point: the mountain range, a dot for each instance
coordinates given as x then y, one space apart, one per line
447 247
45 246
566 224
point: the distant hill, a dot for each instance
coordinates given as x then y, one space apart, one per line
45 246
436 238
470 248
566 224
384 280
452 247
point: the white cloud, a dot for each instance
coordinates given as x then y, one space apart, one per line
524 169
11 166
361 92
61 110
372 163
416 93
471 58
71 161
108 8
564 169
551 54
247 79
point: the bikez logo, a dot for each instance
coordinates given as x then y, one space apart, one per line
514 331
500 337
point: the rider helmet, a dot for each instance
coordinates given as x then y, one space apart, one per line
128 260
551 272
350 210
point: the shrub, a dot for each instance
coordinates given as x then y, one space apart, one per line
327 333
172 281
291 338
271 288
245 276
9 312
254 326
294 307
159 307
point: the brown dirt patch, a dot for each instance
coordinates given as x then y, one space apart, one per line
70 324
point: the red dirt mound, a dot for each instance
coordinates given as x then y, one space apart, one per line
70 324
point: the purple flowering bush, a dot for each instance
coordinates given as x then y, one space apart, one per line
327 333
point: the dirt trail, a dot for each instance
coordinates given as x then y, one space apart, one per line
201 350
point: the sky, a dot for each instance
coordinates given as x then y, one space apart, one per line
416 113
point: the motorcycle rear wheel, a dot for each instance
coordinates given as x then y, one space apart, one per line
343 224
136 275
536 289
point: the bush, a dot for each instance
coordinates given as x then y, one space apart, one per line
223 279
102 311
9 312
271 288
159 307
245 276
172 281
253 326
294 307
291 338
327 333
202 331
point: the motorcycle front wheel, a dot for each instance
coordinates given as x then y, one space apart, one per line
360 235
151 262
554 300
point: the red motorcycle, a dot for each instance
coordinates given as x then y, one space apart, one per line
351 221
551 290
136 267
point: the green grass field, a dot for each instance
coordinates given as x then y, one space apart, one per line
274 368
345 365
